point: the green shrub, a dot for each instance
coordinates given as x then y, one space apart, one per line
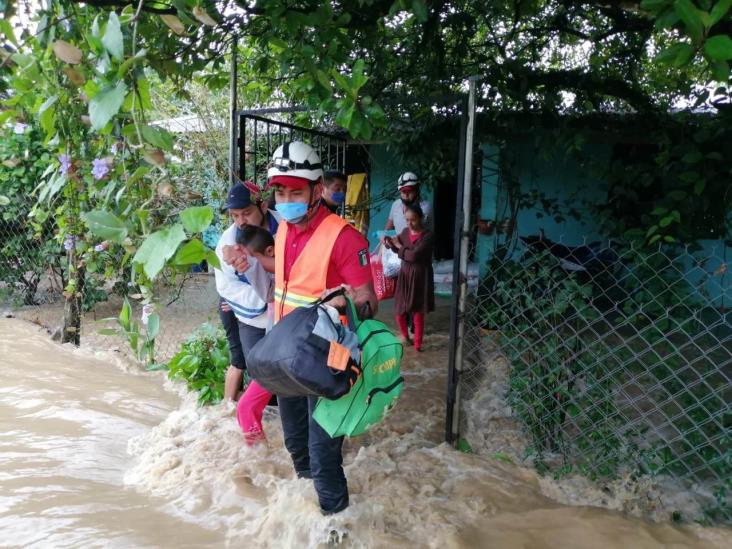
202 362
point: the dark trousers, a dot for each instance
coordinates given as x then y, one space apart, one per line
314 453
231 327
249 335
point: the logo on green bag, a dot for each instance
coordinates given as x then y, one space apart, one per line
385 366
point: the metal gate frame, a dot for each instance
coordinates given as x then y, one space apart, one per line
275 132
252 162
466 105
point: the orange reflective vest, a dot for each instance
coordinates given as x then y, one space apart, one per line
308 276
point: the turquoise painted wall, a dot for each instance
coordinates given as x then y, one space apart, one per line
711 273
385 171
554 176
489 205
559 176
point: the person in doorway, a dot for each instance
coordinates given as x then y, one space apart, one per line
334 191
409 193
415 288
234 289
315 253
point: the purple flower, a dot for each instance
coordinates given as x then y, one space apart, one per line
20 128
116 147
65 161
100 168
69 242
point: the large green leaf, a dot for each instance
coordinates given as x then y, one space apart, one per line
419 8
720 70
158 137
158 248
358 77
191 253
719 10
691 17
345 114
677 55
212 259
124 67
153 326
197 218
112 39
47 114
106 104
719 47
125 315
7 29
139 173
4 200
105 225
48 188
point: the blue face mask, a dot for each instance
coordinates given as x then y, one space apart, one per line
292 212
338 198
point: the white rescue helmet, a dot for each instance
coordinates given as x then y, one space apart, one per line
295 159
406 180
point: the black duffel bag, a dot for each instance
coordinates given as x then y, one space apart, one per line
291 360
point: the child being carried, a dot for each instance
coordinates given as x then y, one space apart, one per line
259 243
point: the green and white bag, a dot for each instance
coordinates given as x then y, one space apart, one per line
375 391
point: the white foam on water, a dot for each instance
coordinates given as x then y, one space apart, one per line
95 456
407 489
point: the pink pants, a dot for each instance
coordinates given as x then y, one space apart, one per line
249 412
418 328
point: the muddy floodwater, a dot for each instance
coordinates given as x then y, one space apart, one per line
95 453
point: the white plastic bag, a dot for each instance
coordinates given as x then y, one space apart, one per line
391 262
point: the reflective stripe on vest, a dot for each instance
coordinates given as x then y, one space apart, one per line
308 276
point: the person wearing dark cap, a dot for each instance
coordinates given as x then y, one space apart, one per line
315 253
334 190
243 313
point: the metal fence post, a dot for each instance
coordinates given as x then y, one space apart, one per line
460 269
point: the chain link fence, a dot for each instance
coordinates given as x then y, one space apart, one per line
34 263
33 277
604 360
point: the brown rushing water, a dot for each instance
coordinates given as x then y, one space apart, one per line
96 455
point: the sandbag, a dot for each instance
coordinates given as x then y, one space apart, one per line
308 352
375 391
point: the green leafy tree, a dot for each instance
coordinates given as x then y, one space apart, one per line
84 70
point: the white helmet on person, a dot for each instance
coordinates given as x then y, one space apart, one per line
295 159
407 180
